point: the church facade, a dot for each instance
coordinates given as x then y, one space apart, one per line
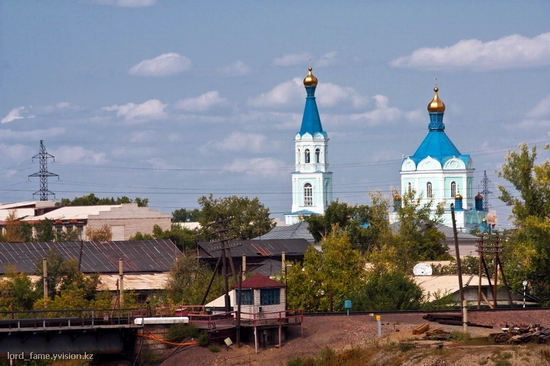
440 174
311 179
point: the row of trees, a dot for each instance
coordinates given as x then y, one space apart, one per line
527 247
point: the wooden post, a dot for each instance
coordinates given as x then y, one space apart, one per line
243 272
121 276
459 269
45 276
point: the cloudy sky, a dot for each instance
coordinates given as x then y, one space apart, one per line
171 100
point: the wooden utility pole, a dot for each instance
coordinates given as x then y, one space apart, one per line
459 270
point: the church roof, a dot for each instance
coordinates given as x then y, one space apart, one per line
311 122
437 144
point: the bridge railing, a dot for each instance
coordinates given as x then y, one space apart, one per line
64 318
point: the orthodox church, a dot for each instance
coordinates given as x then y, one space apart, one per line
438 172
311 180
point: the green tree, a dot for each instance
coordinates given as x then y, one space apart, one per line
17 289
45 229
189 280
389 290
366 225
184 238
91 200
527 247
24 231
249 218
184 215
337 271
64 274
416 238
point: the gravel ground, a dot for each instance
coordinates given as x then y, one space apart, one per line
339 332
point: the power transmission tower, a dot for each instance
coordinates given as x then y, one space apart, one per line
43 174
485 192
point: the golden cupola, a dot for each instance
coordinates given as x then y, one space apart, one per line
436 105
310 79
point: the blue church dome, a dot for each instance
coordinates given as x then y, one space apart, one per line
437 144
311 122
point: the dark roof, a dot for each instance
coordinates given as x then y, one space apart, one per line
97 257
256 248
260 281
296 231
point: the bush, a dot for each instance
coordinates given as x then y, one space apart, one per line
203 340
178 332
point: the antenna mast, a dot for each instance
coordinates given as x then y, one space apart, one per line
43 174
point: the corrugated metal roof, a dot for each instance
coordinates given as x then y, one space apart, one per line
256 248
97 257
296 231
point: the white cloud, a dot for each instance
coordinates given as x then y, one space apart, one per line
293 92
10 135
15 114
14 152
291 60
237 68
332 94
266 167
328 59
78 154
541 109
151 109
163 65
201 103
123 3
239 141
383 113
513 51
282 94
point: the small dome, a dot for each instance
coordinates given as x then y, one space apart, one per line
397 197
436 105
458 196
479 196
310 79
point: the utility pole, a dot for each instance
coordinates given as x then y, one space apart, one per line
43 174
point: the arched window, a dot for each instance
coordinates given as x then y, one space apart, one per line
307 156
299 157
453 189
317 155
410 188
308 195
429 192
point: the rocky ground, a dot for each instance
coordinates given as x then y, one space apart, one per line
341 332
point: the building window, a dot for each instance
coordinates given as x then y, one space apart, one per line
317 155
307 156
299 157
429 192
453 189
270 296
308 195
246 298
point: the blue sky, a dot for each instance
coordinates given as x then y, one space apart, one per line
171 100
